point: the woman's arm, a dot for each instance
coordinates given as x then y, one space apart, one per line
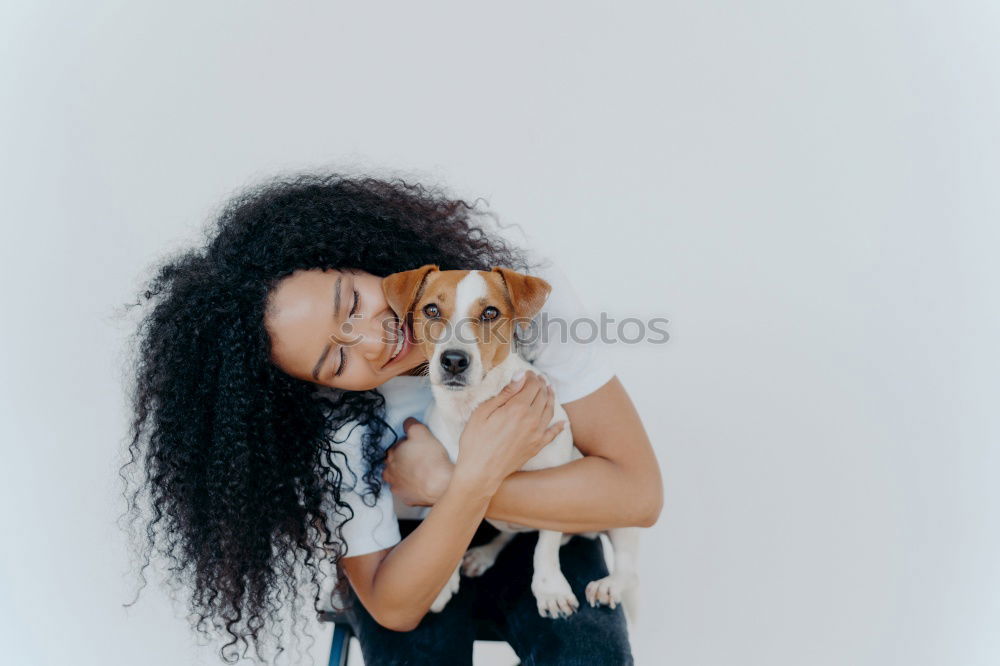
398 585
616 484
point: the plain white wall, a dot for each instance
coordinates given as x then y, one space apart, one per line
807 190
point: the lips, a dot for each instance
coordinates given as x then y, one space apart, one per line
401 347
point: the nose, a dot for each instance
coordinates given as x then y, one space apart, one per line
454 361
367 336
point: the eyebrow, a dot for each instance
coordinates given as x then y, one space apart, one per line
336 313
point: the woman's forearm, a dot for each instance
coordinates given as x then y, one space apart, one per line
411 575
502 434
588 494
585 495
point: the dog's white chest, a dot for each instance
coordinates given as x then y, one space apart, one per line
447 421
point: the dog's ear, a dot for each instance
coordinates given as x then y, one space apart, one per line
527 293
403 289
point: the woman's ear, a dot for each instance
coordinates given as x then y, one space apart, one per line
527 293
402 289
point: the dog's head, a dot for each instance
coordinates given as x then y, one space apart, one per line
464 320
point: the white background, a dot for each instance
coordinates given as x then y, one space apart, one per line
807 190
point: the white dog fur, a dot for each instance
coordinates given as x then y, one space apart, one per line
446 419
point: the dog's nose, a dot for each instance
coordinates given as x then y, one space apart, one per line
454 361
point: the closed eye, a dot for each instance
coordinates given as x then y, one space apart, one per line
343 356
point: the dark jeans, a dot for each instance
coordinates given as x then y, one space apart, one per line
500 603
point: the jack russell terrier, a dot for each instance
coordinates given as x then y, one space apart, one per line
465 321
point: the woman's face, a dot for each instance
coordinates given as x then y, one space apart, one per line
333 327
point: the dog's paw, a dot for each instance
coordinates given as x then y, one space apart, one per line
446 593
554 596
608 591
477 560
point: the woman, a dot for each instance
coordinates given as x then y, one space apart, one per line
247 485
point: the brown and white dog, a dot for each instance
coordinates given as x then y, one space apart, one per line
465 321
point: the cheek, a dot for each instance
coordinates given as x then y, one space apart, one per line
374 298
363 381
430 332
420 331
494 347
497 355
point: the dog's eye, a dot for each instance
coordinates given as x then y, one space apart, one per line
432 311
490 313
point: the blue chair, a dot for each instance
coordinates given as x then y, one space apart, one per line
340 647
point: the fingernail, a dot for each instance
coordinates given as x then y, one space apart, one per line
518 376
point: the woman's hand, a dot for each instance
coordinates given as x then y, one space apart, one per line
506 431
417 467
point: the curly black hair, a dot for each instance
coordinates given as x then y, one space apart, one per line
237 462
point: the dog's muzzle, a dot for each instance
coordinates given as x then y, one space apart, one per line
454 363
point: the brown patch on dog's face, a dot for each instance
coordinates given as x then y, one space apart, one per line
495 316
433 314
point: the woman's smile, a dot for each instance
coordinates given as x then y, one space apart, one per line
401 348
335 328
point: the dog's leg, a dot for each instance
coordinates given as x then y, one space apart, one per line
477 560
620 585
446 593
551 589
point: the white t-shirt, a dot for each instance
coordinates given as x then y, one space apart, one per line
574 368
